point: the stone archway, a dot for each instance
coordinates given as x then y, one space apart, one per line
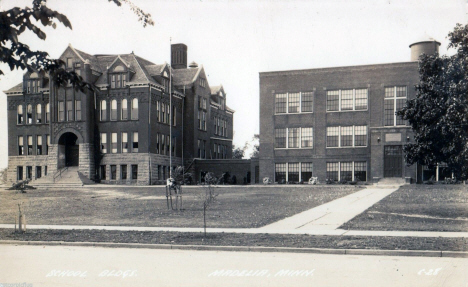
68 150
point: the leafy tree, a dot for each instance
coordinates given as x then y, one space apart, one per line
237 153
256 146
18 55
439 113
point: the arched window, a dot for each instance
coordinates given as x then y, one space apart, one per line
135 109
29 113
39 113
124 111
103 110
113 110
47 113
20 115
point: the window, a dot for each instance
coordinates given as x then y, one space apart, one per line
293 172
61 111
103 142
174 115
332 171
168 114
47 111
307 138
103 110
19 173
346 171
118 80
69 63
135 142
307 102
203 121
348 136
280 172
204 103
163 111
29 113
333 100
124 142
29 172
215 148
360 171
20 145
280 103
199 149
167 145
293 102
114 142
123 171
395 100
45 170
124 111
39 145
306 171
20 115
113 115
134 171
77 110
38 113
30 145
102 172
38 171
69 111
361 99
333 136
163 145
174 147
113 171
199 119
157 143
360 136
293 137
47 144
347 100
280 138
158 111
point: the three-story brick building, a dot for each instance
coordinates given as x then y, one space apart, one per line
338 123
121 132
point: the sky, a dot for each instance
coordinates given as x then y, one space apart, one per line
235 40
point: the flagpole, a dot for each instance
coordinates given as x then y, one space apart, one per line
170 108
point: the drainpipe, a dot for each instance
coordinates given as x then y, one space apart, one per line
149 130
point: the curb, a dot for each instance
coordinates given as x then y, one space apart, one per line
378 252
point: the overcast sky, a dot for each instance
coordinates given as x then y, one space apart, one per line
235 40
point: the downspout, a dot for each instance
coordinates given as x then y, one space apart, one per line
182 116
149 131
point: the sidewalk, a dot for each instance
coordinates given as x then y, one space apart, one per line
331 215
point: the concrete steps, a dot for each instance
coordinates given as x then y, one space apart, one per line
68 178
391 182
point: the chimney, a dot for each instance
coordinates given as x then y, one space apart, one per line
179 56
426 45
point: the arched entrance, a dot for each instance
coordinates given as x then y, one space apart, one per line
69 149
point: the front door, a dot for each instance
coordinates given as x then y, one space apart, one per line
71 155
393 161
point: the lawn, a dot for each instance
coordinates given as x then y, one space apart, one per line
417 208
242 239
235 207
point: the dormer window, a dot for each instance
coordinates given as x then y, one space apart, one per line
118 80
118 77
203 82
69 63
33 85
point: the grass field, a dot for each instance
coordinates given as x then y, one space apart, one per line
235 207
418 208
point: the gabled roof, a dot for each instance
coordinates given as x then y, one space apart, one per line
155 70
184 77
215 89
16 89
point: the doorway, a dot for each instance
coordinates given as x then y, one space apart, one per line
393 161
70 148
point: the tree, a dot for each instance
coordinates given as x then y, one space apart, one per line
256 146
237 153
18 55
439 113
208 195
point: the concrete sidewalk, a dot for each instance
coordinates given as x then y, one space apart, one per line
333 214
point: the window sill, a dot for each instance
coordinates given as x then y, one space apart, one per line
347 111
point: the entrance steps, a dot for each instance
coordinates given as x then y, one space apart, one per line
64 178
391 182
